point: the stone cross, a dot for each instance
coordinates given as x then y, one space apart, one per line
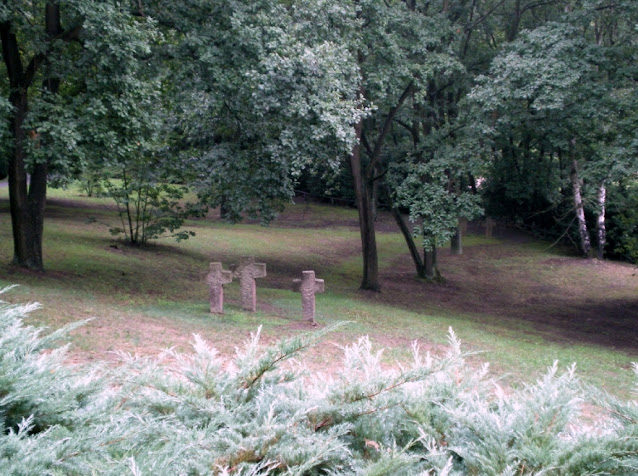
247 271
216 279
308 286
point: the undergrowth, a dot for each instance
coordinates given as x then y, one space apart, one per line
262 412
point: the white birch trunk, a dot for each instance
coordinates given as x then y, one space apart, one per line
601 231
585 243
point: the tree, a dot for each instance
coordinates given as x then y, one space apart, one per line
398 49
433 184
413 58
148 206
268 89
67 66
557 99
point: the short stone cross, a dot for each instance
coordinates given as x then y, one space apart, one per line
308 286
216 279
247 271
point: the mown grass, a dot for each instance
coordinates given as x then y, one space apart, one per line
145 299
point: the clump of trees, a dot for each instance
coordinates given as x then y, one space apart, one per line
412 101
197 413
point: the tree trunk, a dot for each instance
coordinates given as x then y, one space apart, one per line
456 244
601 232
512 28
409 240
27 251
26 202
585 244
375 199
431 264
18 196
363 192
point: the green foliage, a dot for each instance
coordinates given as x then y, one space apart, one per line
559 93
432 184
532 101
323 182
623 223
270 90
91 182
198 413
434 206
148 207
100 86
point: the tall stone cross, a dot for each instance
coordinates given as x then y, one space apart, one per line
216 279
247 271
308 286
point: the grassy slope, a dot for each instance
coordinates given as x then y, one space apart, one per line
143 300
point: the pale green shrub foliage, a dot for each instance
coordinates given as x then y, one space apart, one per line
262 413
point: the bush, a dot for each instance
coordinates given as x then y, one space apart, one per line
148 207
622 233
198 414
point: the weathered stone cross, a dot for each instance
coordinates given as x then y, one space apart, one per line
216 279
308 286
247 271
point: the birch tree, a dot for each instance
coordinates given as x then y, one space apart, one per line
556 97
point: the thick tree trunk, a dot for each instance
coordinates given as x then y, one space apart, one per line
27 252
585 244
431 264
37 200
26 201
18 195
363 193
601 231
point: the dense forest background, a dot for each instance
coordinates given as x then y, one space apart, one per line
440 111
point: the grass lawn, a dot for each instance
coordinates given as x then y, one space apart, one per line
518 303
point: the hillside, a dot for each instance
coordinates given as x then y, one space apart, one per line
519 302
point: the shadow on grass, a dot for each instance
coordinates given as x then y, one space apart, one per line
509 286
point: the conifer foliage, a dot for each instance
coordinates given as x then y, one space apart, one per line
262 413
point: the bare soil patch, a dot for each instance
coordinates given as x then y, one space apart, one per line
566 299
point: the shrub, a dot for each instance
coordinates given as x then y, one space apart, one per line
148 207
200 414
623 223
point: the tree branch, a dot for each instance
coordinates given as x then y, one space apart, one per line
470 26
536 5
11 55
366 144
37 60
376 153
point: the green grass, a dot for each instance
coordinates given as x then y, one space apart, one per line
145 299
